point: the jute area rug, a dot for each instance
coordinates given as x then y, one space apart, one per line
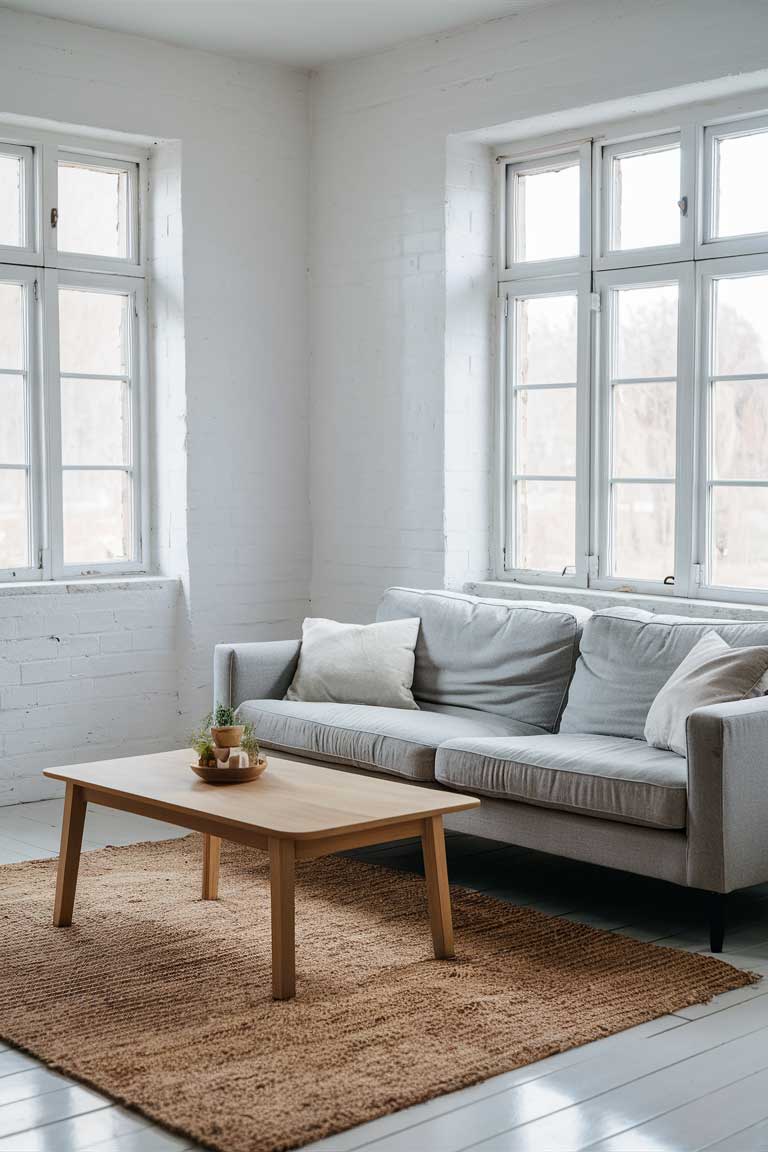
163 1001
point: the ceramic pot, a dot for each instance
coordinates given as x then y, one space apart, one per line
228 737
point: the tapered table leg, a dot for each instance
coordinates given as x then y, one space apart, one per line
436 869
69 855
211 858
282 878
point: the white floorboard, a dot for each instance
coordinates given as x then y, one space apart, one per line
696 1080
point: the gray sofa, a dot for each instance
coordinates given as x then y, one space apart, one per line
539 709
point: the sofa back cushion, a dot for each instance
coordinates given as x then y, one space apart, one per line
626 657
513 658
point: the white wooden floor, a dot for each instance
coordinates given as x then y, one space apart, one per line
695 1080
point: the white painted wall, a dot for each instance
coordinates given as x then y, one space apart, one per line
229 360
390 384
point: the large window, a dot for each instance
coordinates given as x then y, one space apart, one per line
72 350
633 431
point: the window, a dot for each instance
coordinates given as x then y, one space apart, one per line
542 401
634 405
735 358
72 348
547 226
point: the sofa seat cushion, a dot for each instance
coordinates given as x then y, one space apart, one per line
604 776
384 739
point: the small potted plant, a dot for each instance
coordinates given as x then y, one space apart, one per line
225 732
250 744
220 763
201 742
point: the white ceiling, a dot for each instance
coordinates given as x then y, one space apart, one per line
307 33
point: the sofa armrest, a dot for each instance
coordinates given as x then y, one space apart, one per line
728 795
260 671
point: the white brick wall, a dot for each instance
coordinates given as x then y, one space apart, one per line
87 671
399 391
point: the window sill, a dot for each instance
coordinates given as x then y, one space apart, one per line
77 587
594 599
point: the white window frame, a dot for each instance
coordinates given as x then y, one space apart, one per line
605 282
708 245
122 285
29 278
693 262
26 253
511 269
572 284
706 273
604 255
133 263
43 269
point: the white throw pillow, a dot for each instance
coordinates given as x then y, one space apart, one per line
711 673
357 663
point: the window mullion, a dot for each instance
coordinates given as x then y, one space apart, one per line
52 409
36 433
686 434
48 199
584 439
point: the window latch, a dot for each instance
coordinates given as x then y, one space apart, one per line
683 205
54 217
669 579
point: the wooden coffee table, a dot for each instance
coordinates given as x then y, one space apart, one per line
295 811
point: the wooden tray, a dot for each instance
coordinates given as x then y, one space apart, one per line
223 774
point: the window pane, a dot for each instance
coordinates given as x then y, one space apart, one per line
93 332
546 340
93 211
547 214
14 542
741 331
97 517
94 421
11 326
739 539
545 420
740 432
647 331
643 531
11 193
546 517
12 421
646 189
741 206
644 429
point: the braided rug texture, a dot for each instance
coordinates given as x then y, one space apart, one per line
163 1001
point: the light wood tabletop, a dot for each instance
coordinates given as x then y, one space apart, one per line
296 811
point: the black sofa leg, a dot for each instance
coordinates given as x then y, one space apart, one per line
716 909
